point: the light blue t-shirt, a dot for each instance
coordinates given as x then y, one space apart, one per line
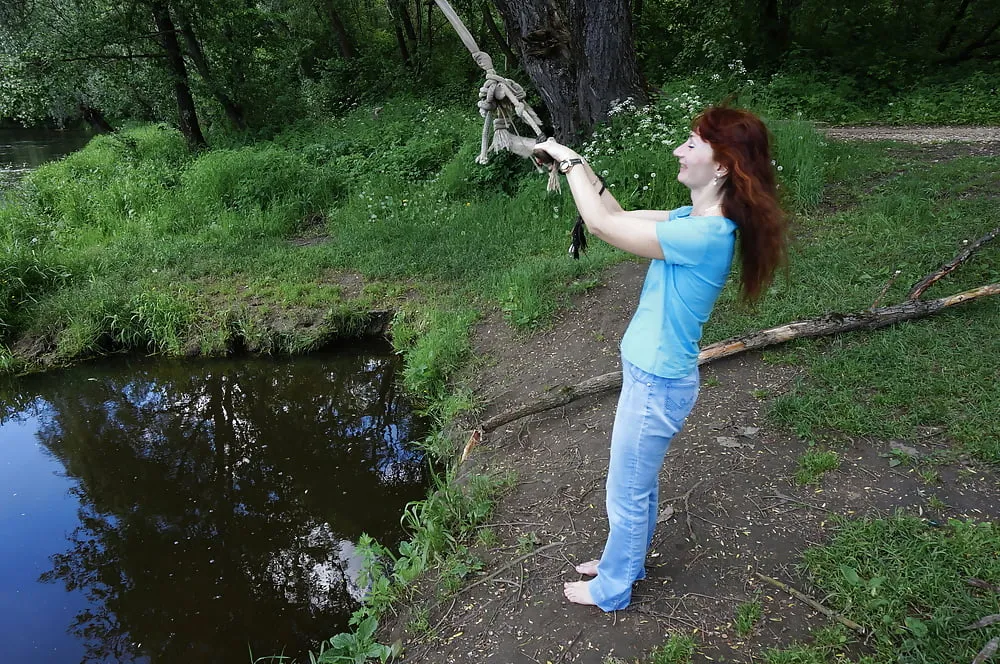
679 293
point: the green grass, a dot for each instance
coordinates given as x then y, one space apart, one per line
906 582
747 616
813 464
678 649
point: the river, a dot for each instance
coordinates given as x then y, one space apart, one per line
22 150
194 511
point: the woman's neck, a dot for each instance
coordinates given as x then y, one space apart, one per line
705 202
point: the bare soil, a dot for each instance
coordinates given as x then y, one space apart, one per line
728 481
729 503
921 135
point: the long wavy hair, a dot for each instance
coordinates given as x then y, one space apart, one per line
741 144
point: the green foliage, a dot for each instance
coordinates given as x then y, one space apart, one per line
813 464
959 97
354 647
25 274
434 346
267 180
747 616
678 649
800 159
905 581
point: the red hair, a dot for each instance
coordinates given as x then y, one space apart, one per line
741 144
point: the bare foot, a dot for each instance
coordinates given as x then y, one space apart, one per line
578 592
588 568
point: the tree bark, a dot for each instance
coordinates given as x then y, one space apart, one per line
580 56
835 323
345 45
951 265
95 118
167 36
404 52
233 110
945 41
404 15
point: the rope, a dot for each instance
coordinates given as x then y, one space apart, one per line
498 95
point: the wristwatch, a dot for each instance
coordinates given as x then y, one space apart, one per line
566 164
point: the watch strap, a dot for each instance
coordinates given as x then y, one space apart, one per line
567 164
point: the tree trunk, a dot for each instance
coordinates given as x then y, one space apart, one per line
187 115
404 15
95 118
404 52
945 41
580 56
501 41
234 111
345 45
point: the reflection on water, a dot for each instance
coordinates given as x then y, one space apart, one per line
174 511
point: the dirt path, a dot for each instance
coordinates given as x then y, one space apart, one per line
744 512
728 479
915 134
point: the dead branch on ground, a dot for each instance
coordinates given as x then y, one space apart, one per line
913 307
835 323
802 597
949 267
988 650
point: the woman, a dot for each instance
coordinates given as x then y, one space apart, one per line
726 164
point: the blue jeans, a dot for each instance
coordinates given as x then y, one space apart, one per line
651 410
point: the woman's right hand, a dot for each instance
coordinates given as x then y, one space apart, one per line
551 150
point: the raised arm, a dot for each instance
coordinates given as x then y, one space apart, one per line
634 232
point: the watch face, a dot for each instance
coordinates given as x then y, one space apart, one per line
565 165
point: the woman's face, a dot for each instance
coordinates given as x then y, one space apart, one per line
697 162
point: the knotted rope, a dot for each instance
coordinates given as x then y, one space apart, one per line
500 101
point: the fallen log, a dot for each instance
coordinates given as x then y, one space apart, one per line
835 323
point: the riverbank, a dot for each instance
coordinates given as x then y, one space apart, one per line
279 246
825 464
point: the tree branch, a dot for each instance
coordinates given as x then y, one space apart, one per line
111 56
949 267
834 323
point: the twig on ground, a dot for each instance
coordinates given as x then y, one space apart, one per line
687 510
984 585
988 650
885 288
510 523
569 647
949 267
511 564
802 597
717 525
777 495
446 614
985 621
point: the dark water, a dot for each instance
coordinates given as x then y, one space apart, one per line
22 150
183 512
